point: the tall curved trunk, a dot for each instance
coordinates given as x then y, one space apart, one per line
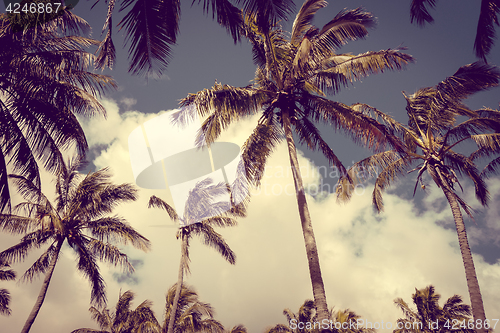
178 289
43 290
307 229
470 272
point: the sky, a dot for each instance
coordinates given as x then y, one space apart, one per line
367 259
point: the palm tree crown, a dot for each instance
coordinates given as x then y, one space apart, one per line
123 319
79 217
192 315
429 316
46 79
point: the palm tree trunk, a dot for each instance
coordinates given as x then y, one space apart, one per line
43 290
470 272
178 289
307 229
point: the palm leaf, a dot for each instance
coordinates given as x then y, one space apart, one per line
154 201
149 34
346 25
485 34
228 16
304 18
419 12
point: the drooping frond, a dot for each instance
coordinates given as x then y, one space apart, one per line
386 167
310 135
268 12
87 265
41 264
392 172
225 104
258 147
227 14
151 28
468 80
485 33
215 240
419 12
20 251
154 201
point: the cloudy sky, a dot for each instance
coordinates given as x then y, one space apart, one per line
367 259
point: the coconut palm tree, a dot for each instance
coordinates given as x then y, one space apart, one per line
293 76
123 319
431 138
485 33
46 79
191 315
79 217
429 316
201 214
5 275
306 321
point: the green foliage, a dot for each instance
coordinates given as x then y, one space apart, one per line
46 79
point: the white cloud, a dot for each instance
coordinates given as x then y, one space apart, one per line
367 260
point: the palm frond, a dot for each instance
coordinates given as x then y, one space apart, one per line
41 264
116 229
214 239
149 34
20 251
391 173
309 134
304 18
258 147
226 105
387 165
355 67
468 80
228 16
419 12
86 264
154 201
268 12
346 25
485 34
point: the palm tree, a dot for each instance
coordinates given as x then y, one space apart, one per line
123 319
429 316
306 321
191 315
201 213
293 75
5 275
46 79
80 217
431 137
485 33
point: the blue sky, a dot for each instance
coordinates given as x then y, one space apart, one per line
367 259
